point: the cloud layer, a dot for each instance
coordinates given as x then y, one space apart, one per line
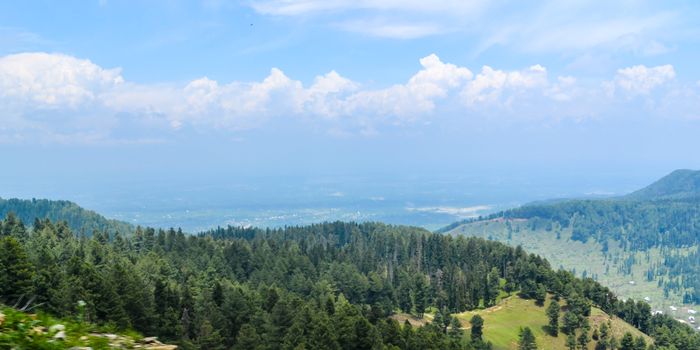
62 97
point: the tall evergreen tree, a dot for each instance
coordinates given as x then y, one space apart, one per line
15 270
477 329
526 340
553 316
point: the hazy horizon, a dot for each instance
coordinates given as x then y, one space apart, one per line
269 109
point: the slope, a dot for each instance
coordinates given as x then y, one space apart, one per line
682 183
641 246
502 324
78 219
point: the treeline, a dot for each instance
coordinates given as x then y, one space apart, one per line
78 219
637 225
329 286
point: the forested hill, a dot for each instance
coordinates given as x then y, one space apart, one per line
78 219
676 185
325 286
661 221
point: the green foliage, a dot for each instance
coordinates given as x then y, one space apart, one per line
19 330
477 330
553 317
627 342
527 340
79 220
330 285
663 217
15 270
571 341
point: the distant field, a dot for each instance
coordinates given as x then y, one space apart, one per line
586 258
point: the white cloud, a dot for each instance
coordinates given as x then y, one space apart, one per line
416 97
641 79
63 96
563 90
53 80
490 84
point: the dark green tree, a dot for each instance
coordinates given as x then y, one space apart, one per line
553 316
15 271
477 329
526 340
627 342
571 341
540 294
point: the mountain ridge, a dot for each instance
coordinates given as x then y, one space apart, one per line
79 219
679 184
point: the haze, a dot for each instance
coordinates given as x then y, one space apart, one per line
291 107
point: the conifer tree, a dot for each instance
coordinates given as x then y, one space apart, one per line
15 270
477 328
527 340
553 316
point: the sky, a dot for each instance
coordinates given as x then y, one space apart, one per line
98 93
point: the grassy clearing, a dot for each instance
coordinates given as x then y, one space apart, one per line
502 324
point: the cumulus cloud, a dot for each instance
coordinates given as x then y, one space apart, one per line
490 84
59 82
640 79
53 80
63 96
415 97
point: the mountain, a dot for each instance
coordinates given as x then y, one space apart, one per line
78 219
324 286
679 184
645 245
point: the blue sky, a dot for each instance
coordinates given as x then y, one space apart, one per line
100 91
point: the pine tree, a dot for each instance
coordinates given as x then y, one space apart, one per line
640 343
571 322
421 294
322 335
527 340
456 331
571 341
627 342
540 294
248 339
583 339
15 270
553 316
477 329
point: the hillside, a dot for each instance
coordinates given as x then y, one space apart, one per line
331 286
639 248
676 185
502 324
78 219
